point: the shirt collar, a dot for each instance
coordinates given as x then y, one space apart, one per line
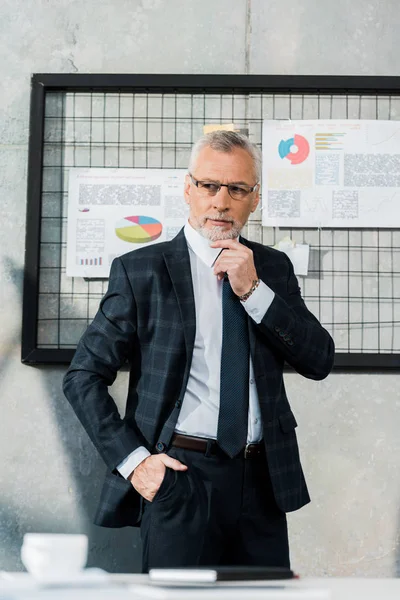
200 245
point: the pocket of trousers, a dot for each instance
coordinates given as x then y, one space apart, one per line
167 485
183 493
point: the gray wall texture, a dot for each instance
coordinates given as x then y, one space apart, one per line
50 474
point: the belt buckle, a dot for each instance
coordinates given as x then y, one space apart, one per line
247 451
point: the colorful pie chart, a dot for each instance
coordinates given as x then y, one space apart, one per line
138 230
300 146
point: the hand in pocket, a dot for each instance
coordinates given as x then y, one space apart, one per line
149 474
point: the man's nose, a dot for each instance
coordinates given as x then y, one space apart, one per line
222 199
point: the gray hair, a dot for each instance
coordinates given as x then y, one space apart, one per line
226 141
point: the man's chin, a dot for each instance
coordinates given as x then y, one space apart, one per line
216 233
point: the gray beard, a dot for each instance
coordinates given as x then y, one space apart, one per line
214 234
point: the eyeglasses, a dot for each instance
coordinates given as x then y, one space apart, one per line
211 188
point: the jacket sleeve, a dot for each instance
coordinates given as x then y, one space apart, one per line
105 346
292 329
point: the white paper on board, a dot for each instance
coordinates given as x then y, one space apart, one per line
299 254
114 211
331 173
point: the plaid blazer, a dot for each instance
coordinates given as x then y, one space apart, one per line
147 318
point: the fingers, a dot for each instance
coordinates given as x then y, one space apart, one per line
231 244
172 463
230 261
240 268
149 474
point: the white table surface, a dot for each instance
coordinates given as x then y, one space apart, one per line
20 586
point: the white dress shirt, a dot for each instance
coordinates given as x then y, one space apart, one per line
200 407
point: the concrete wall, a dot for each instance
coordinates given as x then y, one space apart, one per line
49 472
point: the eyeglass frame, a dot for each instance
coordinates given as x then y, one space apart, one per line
227 185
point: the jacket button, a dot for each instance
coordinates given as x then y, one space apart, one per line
281 334
277 329
160 447
290 343
178 404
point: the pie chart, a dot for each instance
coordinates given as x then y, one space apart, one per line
302 149
138 230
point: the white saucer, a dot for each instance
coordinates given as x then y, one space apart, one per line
83 578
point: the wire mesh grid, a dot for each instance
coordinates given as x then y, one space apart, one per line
353 285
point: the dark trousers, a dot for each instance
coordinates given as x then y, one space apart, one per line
221 511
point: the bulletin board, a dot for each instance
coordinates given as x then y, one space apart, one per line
152 121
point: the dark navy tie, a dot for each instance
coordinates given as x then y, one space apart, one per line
234 395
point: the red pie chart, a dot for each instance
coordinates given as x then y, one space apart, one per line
301 149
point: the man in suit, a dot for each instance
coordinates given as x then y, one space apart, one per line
205 459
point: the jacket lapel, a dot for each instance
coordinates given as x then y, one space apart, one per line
178 264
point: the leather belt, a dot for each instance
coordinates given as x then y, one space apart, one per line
198 444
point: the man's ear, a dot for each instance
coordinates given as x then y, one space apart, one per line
186 189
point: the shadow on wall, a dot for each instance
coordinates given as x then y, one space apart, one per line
396 569
14 524
13 275
115 550
11 539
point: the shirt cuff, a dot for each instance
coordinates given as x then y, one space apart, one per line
259 302
134 459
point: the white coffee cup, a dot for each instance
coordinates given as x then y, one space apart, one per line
52 556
